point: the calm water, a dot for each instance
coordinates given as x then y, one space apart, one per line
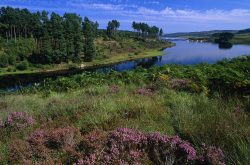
185 53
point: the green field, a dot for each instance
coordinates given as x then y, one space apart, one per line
241 39
201 104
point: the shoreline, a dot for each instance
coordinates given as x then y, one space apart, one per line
96 63
15 79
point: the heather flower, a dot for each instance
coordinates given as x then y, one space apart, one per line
122 162
19 120
122 146
90 160
182 84
212 155
1 124
144 91
127 135
170 146
135 154
188 149
55 138
79 162
37 137
175 140
114 89
215 155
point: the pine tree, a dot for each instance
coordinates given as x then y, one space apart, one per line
89 35
73 36
161 32
112 28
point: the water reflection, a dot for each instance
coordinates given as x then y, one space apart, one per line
147 63
186 53
225 45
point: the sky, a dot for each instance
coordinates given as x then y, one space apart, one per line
171 15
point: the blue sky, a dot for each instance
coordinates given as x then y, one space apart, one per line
171 15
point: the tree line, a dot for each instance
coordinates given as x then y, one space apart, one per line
146 30
46 38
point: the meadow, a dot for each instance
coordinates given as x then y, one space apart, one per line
172 114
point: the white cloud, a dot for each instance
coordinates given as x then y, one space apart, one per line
234 16
98 6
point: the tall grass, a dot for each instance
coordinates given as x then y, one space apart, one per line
194 117
202 104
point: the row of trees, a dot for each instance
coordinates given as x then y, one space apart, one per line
56 38
146 30
53 38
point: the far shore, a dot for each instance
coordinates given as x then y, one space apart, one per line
91 65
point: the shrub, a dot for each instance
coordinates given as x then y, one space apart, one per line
211 155
54 138
9 69
46 143
23 65
4 62
18 121
137 53
122 146
114 89
128 146
144 91
19 150
1 124
183 85
73 66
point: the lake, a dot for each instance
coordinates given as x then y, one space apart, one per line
185 53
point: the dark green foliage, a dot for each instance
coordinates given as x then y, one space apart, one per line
223 39
4 60
244 31
44 38
89 30
145 30
112 28
161 32
22 65
40 38
229 77
73 33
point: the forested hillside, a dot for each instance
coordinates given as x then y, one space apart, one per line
49 38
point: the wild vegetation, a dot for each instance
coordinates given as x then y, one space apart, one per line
201 114
174 114
38 41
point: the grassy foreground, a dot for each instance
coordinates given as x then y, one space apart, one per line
72 120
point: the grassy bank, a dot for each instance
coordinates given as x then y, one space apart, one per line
201 104
112 52
241 39
237 39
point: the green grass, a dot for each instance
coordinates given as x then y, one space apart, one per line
194 117
213 110
241 39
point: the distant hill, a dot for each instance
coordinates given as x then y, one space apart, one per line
199 34
244 31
